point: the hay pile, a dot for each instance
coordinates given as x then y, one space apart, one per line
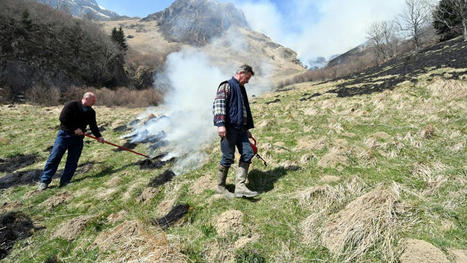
368 222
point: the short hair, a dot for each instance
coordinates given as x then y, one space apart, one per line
88 94
245 68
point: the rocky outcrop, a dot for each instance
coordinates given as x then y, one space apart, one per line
196 22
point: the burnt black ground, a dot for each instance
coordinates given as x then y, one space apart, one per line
155 163
452 54
31 177
14 226
172 217
161 179
17 162
128 145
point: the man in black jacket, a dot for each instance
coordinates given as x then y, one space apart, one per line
74 118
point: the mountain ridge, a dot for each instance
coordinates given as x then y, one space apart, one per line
82 8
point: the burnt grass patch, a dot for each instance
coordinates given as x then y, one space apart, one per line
17 162
161 179
31 177
14 226
175 214
407 68
156 162
127 145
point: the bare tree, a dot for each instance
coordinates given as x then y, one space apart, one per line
414 18
448 12
382 38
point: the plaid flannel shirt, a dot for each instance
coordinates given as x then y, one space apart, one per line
219 107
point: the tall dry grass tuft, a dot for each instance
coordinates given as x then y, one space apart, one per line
370 222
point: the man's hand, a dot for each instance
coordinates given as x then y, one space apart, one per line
79 132
249 134
101 139
221 131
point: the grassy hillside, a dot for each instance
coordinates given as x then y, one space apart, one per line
362 178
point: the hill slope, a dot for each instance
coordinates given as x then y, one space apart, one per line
374 177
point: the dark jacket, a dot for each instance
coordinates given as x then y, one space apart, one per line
73 116
238 99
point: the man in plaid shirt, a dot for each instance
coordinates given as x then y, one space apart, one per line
233 119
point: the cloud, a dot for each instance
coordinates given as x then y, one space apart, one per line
316 28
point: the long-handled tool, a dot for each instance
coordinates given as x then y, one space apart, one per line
255 150
118 146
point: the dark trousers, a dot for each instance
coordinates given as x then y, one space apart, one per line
236 138
64 141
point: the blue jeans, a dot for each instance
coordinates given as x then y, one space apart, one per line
238 138
64 141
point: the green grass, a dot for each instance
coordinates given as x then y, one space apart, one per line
406 158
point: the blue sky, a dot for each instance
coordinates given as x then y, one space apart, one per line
312 28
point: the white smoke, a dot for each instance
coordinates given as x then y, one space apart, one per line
184 122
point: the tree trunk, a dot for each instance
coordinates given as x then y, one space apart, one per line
464 25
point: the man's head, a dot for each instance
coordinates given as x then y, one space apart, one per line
244 73
88 99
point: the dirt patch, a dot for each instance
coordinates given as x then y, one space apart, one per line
459 255
71 229
17 162
14 226
147 195
161 179
172 217
369 219
132 241
419 251
58 199
115 217
203 183
335 157
229 221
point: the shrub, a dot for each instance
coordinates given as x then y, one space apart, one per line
49 96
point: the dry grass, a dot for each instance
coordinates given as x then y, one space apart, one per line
369 222
132 241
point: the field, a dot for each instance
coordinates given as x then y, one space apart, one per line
372 177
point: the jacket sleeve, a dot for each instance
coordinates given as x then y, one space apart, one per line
93 125
219 107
